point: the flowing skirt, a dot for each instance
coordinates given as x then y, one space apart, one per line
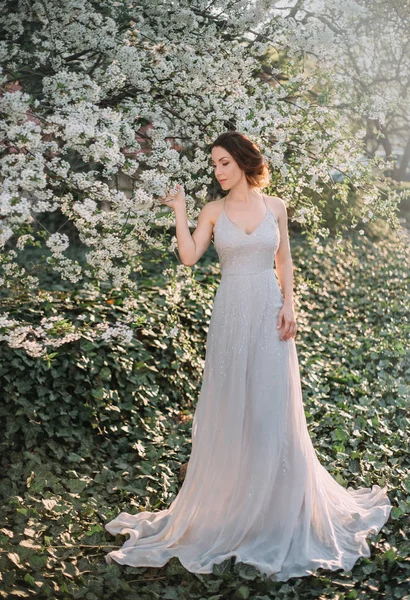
254 487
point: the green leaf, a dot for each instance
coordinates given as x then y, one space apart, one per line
242 593
29 579
76 486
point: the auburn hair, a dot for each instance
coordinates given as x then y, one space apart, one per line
248 156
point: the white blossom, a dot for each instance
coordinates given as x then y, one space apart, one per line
58 242
121 333
125 101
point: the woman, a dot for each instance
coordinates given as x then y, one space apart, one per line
254 487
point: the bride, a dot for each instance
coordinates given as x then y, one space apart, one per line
254 488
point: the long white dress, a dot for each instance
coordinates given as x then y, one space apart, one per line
254 487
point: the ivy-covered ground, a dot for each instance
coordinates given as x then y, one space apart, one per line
103 429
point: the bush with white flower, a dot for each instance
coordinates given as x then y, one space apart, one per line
105 105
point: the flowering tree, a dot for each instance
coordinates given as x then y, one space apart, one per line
104 106
370 64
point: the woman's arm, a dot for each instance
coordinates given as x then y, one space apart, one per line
284 268
190 247
283 259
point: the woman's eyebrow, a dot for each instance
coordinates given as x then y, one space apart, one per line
219 159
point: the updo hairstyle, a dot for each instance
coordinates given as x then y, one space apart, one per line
248 156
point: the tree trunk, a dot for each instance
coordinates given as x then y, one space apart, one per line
400 172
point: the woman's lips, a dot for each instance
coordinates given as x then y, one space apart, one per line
222 180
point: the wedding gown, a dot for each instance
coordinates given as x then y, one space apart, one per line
254 487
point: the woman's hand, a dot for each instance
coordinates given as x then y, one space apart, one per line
287 321
175 198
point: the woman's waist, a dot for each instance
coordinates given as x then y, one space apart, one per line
254 278
242 271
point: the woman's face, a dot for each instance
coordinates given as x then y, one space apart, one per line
225 167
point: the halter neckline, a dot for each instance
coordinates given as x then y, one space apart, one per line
257 227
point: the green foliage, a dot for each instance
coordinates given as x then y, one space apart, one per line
100 429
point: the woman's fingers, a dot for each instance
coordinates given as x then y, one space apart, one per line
290 328
163 199
172 194
293 329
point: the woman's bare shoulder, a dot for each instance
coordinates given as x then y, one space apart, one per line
212 210
278 206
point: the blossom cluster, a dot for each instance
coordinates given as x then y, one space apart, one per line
105 105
